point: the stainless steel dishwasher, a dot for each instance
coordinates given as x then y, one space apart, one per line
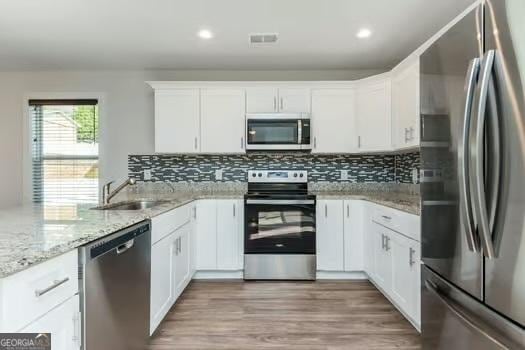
114 282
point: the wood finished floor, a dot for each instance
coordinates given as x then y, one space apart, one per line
283 315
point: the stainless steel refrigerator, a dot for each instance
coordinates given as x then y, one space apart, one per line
473 181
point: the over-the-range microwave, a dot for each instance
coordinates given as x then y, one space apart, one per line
278 131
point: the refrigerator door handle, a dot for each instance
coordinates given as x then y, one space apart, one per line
463 158
434 289
480 202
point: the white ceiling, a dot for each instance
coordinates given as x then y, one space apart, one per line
161 34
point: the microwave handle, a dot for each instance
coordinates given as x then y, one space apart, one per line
299 131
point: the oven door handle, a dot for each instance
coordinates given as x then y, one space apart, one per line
280 201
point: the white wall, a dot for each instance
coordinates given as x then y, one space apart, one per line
127 110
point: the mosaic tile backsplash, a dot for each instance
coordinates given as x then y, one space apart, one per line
321 168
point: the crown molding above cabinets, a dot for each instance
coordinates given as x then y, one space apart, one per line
370 115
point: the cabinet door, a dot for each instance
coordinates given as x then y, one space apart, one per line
383 258
193 239
415 278
206 235
374 115
333 121
162 292
182 259
405 106
369 240
177 121
222 120
63 322
262 100
330 235
402 283
353 235
228 234
294 100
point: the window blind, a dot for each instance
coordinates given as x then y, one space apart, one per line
65 137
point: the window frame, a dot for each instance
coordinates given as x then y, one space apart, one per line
27 187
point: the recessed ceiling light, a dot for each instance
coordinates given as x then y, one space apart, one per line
205 34
364 33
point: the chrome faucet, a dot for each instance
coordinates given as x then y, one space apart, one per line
107 194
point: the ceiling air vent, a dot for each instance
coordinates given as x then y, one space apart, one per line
263 38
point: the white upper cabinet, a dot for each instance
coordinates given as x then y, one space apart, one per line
294 100
177 121
273 100
374 114
330 235
333 121
405 106
222 120
262 100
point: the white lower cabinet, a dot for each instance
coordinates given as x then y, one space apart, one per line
219 234
162 294
339 236
382 257
330 235
171 264
63 322
395 267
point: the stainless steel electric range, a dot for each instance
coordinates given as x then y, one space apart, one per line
279 234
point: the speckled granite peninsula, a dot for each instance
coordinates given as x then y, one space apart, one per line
34 233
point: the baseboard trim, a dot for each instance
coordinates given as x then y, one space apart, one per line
220 274
341 275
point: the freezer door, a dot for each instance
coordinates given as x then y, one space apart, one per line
453 320
448 79
505 273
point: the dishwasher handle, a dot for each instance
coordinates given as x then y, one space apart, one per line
125 247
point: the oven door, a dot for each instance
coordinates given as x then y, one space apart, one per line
271 132
279 226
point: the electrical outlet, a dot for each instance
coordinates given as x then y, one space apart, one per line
218 174
344 174
414 176
147 174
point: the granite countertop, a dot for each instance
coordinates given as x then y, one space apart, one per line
409 203
35 233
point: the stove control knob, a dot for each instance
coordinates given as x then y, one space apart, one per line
294 174
260 174
254 175
301 175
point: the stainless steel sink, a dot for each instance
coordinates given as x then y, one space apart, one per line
133 205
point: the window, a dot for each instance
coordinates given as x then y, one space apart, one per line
65 163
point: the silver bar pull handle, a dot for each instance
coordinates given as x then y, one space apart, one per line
348 210
242 142
195 143
56 283
326 210
386 217
275 103
358 141
315 142
282 104
465 200
383 241
387 243
478 145
411 252
234 214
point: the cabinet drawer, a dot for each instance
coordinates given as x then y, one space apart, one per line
166 223
405 223
31 293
